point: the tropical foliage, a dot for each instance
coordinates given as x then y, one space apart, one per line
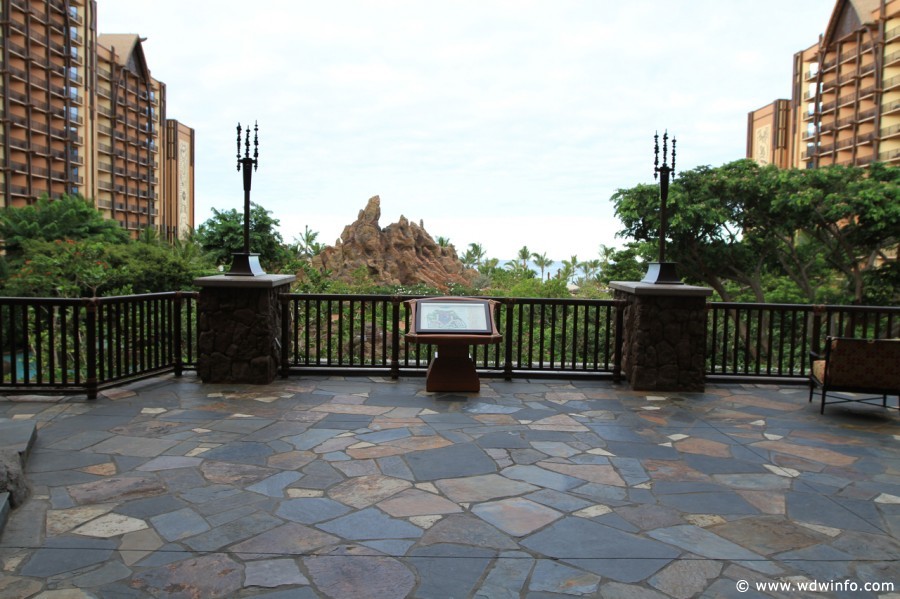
759 233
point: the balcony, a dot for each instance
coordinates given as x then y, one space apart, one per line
562 482
892 132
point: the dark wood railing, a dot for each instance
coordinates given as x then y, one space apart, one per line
562 337
84 345
749 341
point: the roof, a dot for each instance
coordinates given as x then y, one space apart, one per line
129 52
848 16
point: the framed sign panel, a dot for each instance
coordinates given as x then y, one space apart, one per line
445 316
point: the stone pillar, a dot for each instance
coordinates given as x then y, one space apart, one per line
664 337
239 326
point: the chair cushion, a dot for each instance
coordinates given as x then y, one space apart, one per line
864 363
818 371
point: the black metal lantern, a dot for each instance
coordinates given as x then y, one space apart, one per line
246 263
662 272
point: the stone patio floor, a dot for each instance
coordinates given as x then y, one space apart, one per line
367 487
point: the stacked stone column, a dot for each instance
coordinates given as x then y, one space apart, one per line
664 337
239 322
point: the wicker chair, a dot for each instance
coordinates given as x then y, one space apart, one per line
865 366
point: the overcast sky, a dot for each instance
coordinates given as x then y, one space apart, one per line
502 122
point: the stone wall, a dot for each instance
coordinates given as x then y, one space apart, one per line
664 340
239 329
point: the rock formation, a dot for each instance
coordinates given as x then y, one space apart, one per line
402 253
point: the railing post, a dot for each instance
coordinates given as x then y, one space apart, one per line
285 333
395 337
618 340
91 384
178 334
508 350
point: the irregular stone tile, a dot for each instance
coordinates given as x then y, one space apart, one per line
414 502
345 573
107 469
620 556
437 580
753 482
703 447
358 467
687 578
542 478
232 532
557 500
311 509
65 554
139 544
211 576
450 462
766 502
726 502
707 544
648 517
227 473
110 525
273 573
559 422
464 529
420 442
816 509
60 521
605 475
371 523
767 535
672 470
241 452
16 586
482 488
274 485
179 524
287 539
869 546
365 410
555 448
822 455
169 462
507 578
118 488
101 577
291 460
516 516
364 491
554 577
133 446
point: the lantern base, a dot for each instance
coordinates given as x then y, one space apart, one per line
662 273
245 265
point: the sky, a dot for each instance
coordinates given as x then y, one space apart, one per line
506 123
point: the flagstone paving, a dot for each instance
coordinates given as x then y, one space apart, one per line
367 487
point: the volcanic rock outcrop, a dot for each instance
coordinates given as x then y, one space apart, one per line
403 253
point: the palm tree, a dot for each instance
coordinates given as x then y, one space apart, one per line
443 241
568 269
306 245
542 262
473 256
589 269
524 255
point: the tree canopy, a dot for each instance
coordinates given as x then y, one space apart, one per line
69 217
751 232
223 235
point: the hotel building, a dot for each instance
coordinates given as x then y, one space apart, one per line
845 99
82 114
